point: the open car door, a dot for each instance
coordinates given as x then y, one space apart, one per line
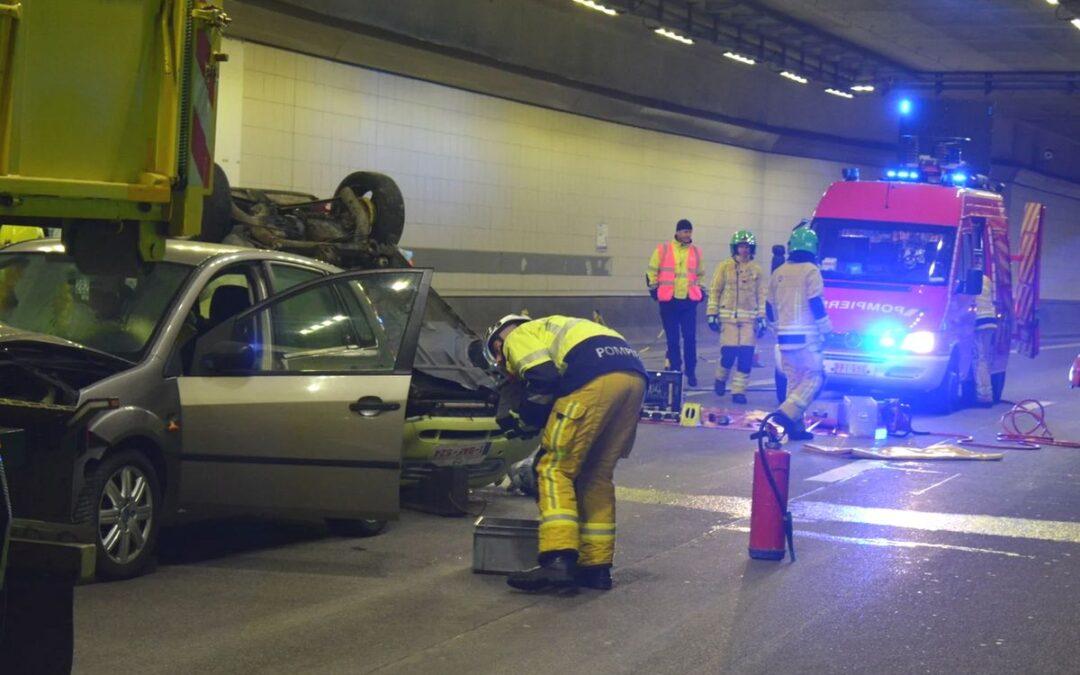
297 404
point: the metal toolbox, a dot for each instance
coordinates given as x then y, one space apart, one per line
504 545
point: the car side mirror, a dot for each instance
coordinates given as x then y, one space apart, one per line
228 357
973 283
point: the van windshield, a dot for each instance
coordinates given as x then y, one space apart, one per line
899 253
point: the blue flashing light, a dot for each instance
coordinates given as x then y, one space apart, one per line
903 174
915 175
891 173
887 341
904 106
959 177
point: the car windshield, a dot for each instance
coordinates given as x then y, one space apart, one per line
46 293
860 250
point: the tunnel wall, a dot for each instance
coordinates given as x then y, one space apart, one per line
504 199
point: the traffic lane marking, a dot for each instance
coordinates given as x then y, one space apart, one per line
889 543
811 511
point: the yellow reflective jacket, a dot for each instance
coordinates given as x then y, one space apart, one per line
796 308
556 355
13 234
985 311
682 275
738 291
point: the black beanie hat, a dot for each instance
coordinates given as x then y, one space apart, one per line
684 224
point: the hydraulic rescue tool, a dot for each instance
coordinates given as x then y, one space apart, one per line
770 519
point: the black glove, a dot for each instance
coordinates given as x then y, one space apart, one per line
714 322
514 427
654 294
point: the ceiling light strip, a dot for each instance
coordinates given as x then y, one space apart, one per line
672 35
794 77
597 6
740 58
837 92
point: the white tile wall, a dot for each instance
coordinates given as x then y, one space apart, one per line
482 173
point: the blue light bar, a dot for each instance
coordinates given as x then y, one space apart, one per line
904 106
959 177
891 173
902 174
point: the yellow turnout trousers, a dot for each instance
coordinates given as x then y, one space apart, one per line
737 339
587 432
805 375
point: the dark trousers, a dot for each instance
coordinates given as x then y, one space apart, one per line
680 317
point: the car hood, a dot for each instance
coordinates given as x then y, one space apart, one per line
11 338
443 348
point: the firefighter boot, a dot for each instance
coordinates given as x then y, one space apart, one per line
691 380
720 387
597 577
738 398
556 570
795 429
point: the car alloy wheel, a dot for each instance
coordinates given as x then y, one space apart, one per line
125 514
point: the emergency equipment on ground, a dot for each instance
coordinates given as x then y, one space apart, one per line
584 385
736 308
771 524
674 279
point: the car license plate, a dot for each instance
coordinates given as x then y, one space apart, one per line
847 368
458 455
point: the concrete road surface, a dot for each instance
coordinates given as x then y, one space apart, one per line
903 567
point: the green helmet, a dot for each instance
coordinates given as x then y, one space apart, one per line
803 239
743 237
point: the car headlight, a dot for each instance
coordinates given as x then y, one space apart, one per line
920 342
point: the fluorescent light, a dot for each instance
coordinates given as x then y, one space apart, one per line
793 77
597 6
1075 22
837 92
1052 2
862 87
740 58
670 34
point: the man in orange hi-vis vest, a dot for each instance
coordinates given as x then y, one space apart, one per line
674 275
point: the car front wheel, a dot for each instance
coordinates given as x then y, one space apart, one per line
127 515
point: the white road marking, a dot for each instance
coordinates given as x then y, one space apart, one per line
962 523
879 541
1071 345
849 470
941 482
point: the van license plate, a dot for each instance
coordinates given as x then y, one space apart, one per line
847 368
458 455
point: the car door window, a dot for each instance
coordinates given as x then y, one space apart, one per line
287 276
228 293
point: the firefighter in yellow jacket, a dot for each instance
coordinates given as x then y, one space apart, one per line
737 311
796 310
583 386
986 325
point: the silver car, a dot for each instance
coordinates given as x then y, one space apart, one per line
222 378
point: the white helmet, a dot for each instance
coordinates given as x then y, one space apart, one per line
493 332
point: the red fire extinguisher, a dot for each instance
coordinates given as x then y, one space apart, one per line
770 520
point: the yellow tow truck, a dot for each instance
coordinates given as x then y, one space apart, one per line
107 120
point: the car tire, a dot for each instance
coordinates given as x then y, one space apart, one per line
126 514
345 527
389 204
781 386
217 210
948 396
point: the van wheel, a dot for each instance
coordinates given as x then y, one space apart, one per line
344 527
949 395
127 514
781 386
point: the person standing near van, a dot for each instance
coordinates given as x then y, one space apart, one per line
986 325
736 308
796 310
673 278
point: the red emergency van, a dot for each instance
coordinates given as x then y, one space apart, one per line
903 263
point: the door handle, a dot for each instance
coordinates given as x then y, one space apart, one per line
370 406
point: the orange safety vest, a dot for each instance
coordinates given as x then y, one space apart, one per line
665 279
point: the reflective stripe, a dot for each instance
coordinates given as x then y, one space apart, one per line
533 358
597 529
556 345
559 517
